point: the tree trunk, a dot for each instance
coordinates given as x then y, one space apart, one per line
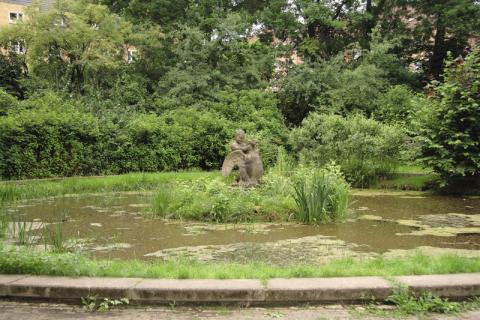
439 51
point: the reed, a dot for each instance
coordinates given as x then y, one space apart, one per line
321 195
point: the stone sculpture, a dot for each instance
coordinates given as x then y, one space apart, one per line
246 158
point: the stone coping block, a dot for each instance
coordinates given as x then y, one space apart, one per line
5 280
246 291
460 285
202 291
70 288
328 289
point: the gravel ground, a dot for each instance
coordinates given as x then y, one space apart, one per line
13 310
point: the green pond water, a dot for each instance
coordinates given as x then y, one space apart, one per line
112 226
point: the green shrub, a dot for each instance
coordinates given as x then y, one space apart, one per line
358 89
321 195
51 135
365 149
43 142
7 102
396 105
451 125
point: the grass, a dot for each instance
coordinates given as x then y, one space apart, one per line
18 190
28 261
408 177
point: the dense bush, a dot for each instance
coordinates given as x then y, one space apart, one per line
7 102
364 148
50 135
180 139
451 127
397 105
42 142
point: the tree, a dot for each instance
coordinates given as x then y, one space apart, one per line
72 44
449 22
12 71
451 131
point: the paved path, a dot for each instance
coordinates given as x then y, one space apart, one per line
10 310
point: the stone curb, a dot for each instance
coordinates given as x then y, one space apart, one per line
248 292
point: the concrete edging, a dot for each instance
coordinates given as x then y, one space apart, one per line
243 291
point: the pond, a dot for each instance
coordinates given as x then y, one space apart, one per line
112 226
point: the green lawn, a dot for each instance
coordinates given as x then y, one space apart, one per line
11 191
408 177
28 261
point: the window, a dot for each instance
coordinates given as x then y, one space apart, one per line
17 46
132 55
60 21
15 16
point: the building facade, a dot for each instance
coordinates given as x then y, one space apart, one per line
14 10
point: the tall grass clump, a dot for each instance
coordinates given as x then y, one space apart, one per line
4 221
321 195
25 233
55 237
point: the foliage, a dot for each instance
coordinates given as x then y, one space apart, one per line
422 305
204 68
7 102
74 43
50 135
409 304
24 233
321 195
39 141
92 303
4 221
396 105
451 130
12 72
55 237
450 23
349 83
368 149
358 89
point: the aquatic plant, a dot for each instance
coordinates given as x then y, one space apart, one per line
54 237
321 195
25 233
215 200
162 201
4 221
